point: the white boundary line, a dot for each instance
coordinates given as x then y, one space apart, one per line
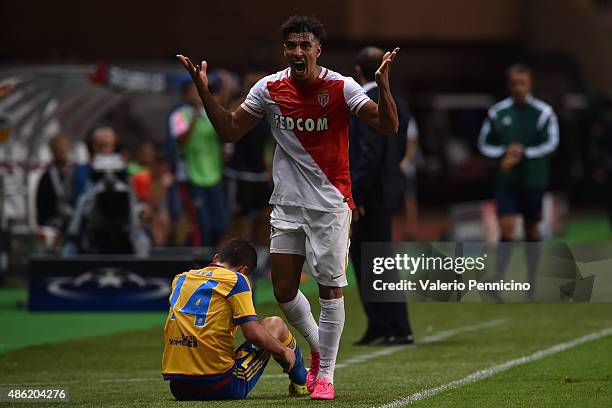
360 358
488 372
442 335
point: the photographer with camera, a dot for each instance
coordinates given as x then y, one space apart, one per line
107 215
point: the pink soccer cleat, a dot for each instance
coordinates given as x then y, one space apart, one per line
313 371
323 390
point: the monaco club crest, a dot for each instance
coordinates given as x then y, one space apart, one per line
323 98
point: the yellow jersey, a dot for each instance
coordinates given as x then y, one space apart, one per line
206 307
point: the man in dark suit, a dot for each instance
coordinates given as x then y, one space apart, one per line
54 193
377 190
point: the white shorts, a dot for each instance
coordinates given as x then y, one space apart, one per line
322 237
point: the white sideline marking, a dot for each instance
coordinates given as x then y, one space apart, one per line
488 372
442 335
439 336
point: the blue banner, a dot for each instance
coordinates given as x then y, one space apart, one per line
111 283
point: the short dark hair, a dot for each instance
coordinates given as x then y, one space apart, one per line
55 139
369 61
90 136
519 68
303 24
238 252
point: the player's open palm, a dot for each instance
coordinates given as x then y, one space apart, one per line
382 73
198 73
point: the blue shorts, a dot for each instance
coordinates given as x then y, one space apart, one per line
236 384
525 201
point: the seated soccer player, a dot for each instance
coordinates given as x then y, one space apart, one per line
206 307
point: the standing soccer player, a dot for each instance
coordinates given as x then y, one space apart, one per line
308 108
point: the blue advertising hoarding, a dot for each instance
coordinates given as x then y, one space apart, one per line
110 282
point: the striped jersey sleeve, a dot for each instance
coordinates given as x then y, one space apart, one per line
354 95
254 102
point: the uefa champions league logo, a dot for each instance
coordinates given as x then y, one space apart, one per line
110 284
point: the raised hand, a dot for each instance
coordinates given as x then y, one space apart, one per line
198 73
382 73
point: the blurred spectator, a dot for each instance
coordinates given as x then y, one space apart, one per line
144 159
54 193
124 151
225 85
141 184
182 212
248 179
103 141
151 187
203 162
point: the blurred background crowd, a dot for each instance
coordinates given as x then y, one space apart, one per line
183 190
105 147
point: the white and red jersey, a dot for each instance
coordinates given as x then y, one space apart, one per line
310 124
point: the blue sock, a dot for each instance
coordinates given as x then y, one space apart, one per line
298 372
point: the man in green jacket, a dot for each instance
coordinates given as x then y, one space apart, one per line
203 155
521 132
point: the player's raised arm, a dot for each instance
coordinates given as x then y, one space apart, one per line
382 117
230 126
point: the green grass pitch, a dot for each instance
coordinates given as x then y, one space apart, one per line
122 368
